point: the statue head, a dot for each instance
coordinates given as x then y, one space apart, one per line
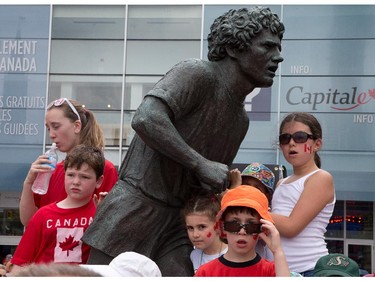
236 28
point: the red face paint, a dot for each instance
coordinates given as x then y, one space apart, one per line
209 235
308 148
255 237
216 226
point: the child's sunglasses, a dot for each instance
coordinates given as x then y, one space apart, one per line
298 137
235 227
59 102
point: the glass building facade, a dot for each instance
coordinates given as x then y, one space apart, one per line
109 56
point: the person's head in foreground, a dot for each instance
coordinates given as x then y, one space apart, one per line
337 265
54 269
127 264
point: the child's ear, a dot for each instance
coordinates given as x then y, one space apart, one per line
99 181
317 144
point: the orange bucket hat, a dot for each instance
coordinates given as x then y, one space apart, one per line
246 196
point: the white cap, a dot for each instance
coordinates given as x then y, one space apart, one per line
128 264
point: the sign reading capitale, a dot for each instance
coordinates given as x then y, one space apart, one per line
336 99
18 55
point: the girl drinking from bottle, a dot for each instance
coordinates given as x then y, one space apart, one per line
68 124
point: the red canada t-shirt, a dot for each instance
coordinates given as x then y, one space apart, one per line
54 235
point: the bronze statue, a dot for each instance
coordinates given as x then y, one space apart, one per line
188 130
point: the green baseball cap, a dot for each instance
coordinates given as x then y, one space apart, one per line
336 265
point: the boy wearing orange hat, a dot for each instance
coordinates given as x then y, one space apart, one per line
243 219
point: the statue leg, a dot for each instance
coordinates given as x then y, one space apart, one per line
98 257
176 262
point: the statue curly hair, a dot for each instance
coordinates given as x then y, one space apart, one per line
236 28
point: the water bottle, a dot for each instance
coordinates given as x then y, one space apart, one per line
40 185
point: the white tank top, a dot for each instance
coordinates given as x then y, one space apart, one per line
303 250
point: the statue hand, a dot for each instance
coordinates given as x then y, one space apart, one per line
213 175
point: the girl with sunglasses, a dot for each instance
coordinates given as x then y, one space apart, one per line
303 203
68 124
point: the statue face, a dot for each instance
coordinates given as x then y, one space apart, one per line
259 63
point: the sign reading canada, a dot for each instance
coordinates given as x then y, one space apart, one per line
18 55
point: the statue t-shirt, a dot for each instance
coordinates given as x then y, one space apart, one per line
205 115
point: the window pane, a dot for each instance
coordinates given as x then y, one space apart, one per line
362 255
10 222
157 57
110 124
87 57
15 163
359 220
128 133
137 88
263 134
164 22
307 21
22 21
335 246
94 22
95 92
100 94
22 103
335 227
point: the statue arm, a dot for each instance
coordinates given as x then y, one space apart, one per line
153 123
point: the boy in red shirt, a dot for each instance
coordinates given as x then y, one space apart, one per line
243 219
54 232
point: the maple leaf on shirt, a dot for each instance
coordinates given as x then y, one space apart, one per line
69 244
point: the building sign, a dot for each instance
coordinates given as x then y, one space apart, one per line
18 55
23 88
18 117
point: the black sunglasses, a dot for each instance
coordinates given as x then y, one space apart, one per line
298 137
235 227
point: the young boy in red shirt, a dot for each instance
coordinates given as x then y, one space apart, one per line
243 219
54 232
